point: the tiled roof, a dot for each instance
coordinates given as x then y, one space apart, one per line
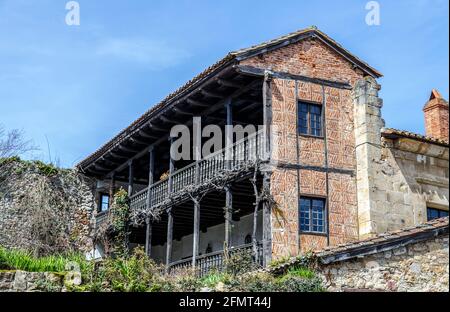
227 60
379 243
393 133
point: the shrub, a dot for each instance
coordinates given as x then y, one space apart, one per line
239 263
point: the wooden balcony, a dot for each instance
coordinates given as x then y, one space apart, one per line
216 260
239 156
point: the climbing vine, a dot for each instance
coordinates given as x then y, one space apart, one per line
114 232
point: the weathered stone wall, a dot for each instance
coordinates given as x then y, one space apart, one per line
21 281
42 211
422 266
304 59
397 179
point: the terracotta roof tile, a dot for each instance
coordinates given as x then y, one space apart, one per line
390 132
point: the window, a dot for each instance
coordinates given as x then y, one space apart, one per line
104 203
312 215
310 119
433 213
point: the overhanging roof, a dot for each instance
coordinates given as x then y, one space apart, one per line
225 63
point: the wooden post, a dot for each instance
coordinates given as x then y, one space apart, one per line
228 134
130 178
148 234
196 235
228 215
228 194
267 223
112 188
171 168
148 237
267 115
169 212
169 238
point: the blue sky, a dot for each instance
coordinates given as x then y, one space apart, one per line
78 86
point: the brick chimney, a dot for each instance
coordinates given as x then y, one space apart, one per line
436 116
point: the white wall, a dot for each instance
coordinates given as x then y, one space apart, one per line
214 235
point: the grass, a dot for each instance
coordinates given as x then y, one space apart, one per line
300 271
21 260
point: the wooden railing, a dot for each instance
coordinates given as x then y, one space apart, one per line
241 153
216 260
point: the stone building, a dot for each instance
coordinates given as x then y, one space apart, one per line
322 169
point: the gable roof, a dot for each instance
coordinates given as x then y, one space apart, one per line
231 58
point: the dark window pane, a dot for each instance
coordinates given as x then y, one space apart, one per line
312 214
310 119
433 213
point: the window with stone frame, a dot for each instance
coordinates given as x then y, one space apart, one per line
312 215
433 213
310 119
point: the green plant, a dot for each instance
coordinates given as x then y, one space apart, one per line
300 271
239 263
292 283
22 260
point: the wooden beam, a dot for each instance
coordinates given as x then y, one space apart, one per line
228 83
153 127
182 112
148 236
197 103
169 239
118 156
144 134
130 178
210 110
249 107
212 94
267 224
260 72
196 234
167 120
126 149
138 141
228 215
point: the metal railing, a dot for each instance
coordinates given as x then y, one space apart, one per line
216 260
241 153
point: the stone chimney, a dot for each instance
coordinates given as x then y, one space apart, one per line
436 116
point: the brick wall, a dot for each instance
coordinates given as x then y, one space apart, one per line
311 58
436 117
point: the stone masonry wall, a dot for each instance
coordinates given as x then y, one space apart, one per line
20 281
397 179
422 266
44 212
410 176
311 58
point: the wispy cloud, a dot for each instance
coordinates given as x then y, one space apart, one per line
151 53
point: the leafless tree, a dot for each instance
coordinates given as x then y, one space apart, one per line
13 143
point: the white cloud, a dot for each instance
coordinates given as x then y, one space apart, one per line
151 53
